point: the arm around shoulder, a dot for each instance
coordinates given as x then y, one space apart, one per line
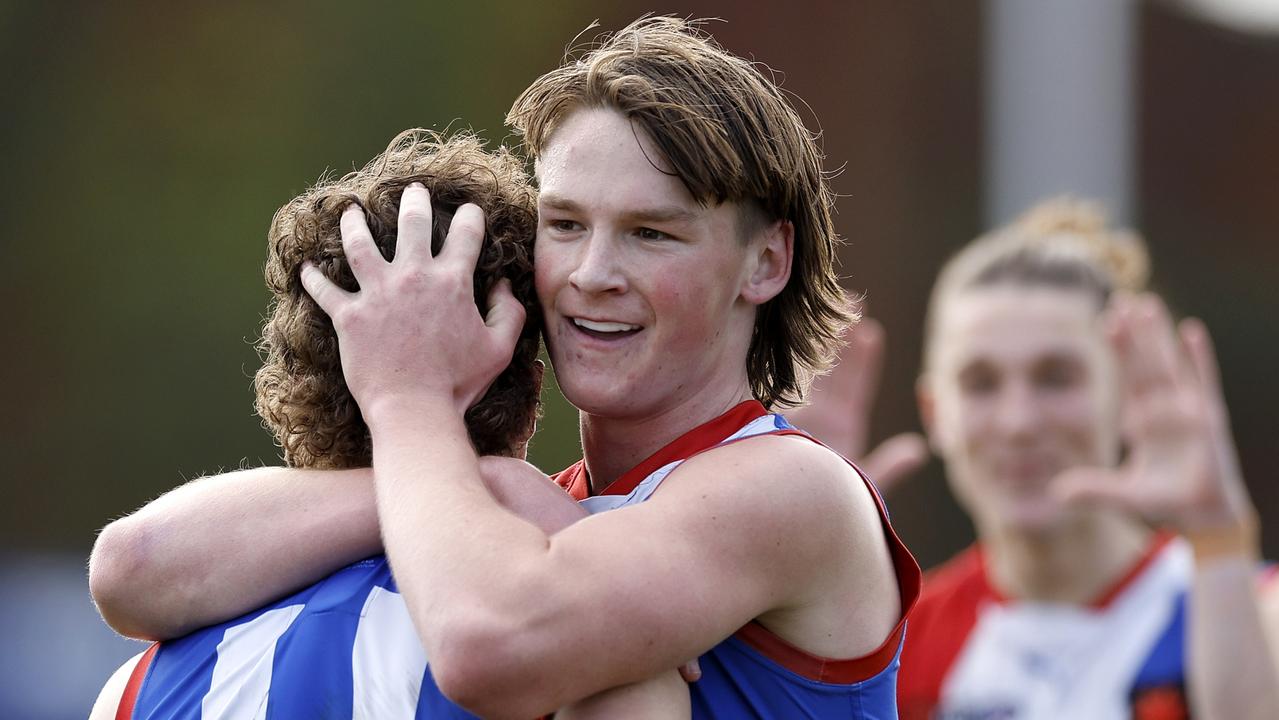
220 546
775 529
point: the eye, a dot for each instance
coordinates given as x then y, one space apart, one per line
564 226
978 380
645 233
1058 374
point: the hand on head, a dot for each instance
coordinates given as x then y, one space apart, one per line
412 331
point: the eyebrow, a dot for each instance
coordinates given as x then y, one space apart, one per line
665 213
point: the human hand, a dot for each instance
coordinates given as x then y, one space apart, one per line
691 671
412 333
1182 469
839 411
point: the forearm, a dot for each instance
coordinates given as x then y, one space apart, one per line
469 570
1232 670
446 534
665 696
220 546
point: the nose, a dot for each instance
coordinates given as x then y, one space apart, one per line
598 269
1017 414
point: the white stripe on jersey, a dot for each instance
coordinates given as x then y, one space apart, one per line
601 503
387 661
1035 659
242 673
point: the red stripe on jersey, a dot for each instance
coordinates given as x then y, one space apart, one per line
939 627
124 711
1157 545
577 482
574 480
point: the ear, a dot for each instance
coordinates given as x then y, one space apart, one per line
927 402
539 372
771 253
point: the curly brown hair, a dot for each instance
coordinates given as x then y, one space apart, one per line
302 396
730 134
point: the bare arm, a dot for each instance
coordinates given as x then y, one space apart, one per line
220 546
665 697
1182 471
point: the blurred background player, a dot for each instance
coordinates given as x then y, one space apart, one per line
344 646
1071 418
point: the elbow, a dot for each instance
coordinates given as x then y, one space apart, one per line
122 583
479 669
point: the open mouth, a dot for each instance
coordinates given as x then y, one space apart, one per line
605 330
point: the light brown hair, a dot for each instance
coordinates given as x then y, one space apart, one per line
1064 243
301 394
731 136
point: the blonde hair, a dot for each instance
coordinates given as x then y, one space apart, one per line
730 135
1062 243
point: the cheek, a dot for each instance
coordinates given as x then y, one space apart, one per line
545 273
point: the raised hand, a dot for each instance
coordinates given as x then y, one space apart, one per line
839 411
413 332
1182 469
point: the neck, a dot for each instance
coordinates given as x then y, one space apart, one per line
613 445
1074 562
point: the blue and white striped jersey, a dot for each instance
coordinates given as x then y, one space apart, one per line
342 648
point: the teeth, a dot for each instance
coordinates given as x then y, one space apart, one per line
608 327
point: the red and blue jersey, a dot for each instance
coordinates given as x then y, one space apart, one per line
754 673
346 648
976 654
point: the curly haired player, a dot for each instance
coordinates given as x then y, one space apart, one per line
345 645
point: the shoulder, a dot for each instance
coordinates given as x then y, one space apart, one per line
780 463
780 482
113 692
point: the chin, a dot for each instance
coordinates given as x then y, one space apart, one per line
1037 515
600 397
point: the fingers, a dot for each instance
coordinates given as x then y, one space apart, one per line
1147 346
1099 486
322 290
867 362
465 238
413 231
691 671
357 242
1203 360
896 459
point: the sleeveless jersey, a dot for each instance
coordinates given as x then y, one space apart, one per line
754 673
341 648
974 654
345 647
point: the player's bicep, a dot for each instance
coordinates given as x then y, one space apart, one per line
722 542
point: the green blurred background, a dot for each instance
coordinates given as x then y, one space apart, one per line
149 143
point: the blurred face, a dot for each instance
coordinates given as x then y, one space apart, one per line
642 288
1022 387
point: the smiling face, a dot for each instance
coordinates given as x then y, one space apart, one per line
649 297
1021 386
